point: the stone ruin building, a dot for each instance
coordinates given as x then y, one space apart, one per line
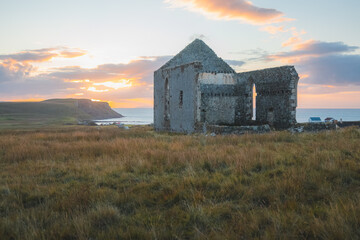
196 89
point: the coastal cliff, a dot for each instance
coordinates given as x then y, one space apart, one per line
87 109
53 112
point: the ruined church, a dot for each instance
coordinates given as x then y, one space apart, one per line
196 88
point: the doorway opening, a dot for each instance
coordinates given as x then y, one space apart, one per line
270 116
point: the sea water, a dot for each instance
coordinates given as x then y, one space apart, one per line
144 116
303 114
134 116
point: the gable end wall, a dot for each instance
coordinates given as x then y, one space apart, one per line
183 79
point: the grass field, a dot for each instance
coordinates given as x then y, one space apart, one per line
108 183
31 115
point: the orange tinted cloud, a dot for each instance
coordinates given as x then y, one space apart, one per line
43 55
67 54
303 76
291 41
273 30
307 45
232 9
296 37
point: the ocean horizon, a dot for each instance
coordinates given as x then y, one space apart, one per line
144 116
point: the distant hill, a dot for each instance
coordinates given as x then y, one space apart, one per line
53 111
85 108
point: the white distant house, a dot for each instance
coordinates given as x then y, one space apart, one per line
315 120
329 120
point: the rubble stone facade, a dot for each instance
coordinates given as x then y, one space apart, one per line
196 89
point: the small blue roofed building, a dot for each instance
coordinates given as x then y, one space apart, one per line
315 120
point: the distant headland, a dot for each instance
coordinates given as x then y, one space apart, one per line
53 112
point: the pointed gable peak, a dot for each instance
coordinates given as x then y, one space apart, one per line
198 51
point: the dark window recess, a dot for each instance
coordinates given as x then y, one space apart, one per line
181 98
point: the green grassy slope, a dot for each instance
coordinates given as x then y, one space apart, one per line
52 112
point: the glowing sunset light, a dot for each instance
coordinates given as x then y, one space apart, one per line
331 86
79 81
93 89
303 76
133 103
96 100
115 85
27 100
335 100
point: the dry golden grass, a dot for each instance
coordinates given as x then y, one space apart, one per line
87 183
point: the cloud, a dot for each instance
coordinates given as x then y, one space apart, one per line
141 69
231 9
198 36
291 41
71 54
323 63
118 83
338 69
12 70
43 55
19 65
35 87
252 54
273 30
312 48
235 63
321 48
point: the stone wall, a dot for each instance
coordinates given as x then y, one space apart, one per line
175 106
239 130
276 99
218 103
186 97
222 99
217 98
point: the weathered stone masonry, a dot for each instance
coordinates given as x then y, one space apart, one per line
276 99
196 88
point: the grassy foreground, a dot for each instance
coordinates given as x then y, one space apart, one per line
88 183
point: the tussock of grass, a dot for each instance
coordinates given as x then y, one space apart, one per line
111 184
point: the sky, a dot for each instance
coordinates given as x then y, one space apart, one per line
108 50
